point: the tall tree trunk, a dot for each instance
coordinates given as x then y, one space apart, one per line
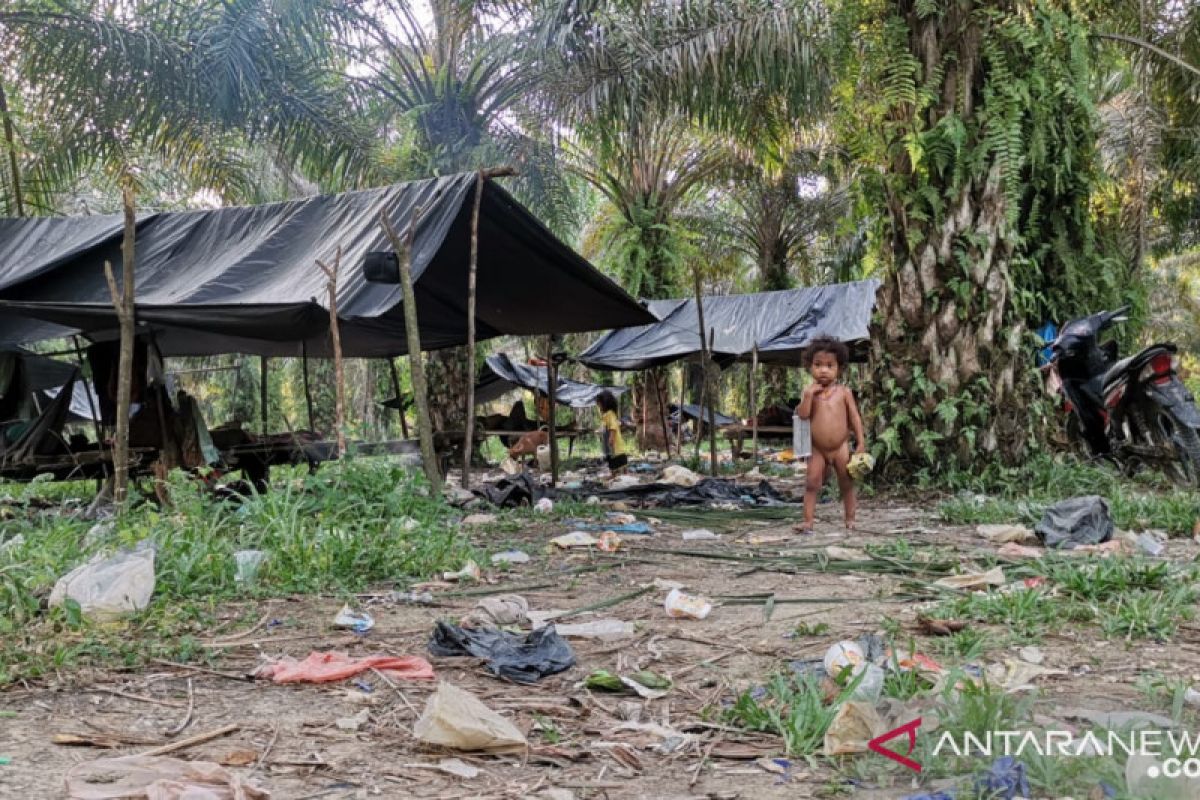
773 275
10 142
446 372
987 149
122 299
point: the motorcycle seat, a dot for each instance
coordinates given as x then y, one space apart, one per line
1114 373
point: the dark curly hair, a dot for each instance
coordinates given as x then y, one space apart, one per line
606 401
825 344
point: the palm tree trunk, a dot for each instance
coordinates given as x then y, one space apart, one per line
10 141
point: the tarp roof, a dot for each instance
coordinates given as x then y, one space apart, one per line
245 279
780 323
504 375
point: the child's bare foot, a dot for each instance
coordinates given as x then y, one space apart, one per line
849 524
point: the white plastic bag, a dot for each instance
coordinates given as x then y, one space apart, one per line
106 588
454 718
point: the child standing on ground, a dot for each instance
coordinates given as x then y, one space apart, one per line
833 413
610 433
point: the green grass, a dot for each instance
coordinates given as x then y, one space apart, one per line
792 707
1128 598
1020 494
337 531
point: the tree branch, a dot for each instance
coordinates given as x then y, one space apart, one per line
1158 51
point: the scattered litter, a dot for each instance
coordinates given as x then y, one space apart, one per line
1004 780
1019 676
413 598
470 571
510 557
247 564
358 621
665 585
1113 547
1191 697
478 519
1015 552
846 553
648 685
574 539
522 659
860 465
700 534
1078 521
1150 544
939 627
458 496
1003 534
776 766
156 778
604 681
544 506
513 491
455 718
680 605
930 796
1031 654
870 685
672 739
509 466
767 538
353 723
602 629
609 542
592 500
841 655
974 580
239 758
854 725
326 667
503 609
622 482
106 588
620 518
407 523
617 527
680 476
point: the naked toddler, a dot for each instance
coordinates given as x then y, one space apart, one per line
833 413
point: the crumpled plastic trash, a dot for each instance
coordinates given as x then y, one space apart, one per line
510 557
574 539
975 580
948 795
455 718
680 605
470 572
107 588
1080 520
247 564
609 542
357 621
602 629
1003 534
699 534
326 667
680 476
854 725
544 506
860 465
1004 780
157 778
503 609
522 659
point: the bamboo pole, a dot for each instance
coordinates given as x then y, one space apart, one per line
705 360
552 388
712 413
412 328
661 395
331 273
399 398
91 402
308 403
473 268
754 399
262 394
122 300
682 397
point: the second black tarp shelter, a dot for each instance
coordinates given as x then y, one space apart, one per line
780 324
246 280
503 375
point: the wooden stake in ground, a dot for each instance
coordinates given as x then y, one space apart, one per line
412 328
308 403
706 361
262 394
469 435
552 389
331 273
399 397
709 377
122 300
682 397
754 399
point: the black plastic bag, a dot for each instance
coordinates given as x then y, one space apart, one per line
1080 520
523 659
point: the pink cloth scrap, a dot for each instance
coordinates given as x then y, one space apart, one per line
326 667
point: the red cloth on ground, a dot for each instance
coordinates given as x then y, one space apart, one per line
326 667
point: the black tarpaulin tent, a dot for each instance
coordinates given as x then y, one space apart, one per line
503 375
780 324
246 280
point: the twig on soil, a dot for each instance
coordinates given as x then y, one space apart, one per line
270 745
703 758
606 603
200 738
398 691
187 718
139 697
266 618
704 663
231 676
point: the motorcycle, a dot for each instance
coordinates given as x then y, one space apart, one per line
1134 411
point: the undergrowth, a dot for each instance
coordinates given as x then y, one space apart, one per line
350 525
1021 494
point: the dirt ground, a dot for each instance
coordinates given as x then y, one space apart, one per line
295 748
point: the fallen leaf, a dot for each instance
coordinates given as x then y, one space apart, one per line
239 758
940 627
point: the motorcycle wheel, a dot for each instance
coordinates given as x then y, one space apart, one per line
1185 468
